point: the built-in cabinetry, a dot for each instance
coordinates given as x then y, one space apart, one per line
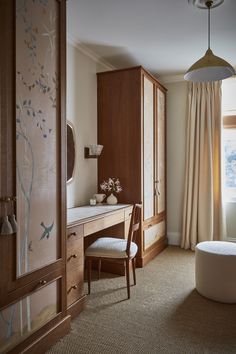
131 126
33 311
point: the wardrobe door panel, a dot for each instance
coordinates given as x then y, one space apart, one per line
25 316
148 148
153 234
32 178
37 134
160 151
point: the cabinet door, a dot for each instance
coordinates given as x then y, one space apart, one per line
33 136
148 148
28 314
153 233
160 152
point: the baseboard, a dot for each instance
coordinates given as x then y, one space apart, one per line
77 307
174 238
230 239
45 341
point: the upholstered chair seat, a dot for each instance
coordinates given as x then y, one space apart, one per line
110 247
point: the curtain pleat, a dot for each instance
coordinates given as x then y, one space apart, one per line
202 209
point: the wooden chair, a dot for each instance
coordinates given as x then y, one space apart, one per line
117 249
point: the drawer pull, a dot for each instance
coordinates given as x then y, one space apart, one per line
72 234
73 287
150 225
42 282
72 256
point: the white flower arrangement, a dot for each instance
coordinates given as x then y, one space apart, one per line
111 185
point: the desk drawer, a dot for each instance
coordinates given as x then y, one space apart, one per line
75 285
74 233
128 213
75 254
100 224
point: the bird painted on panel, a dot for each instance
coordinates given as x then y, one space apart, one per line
47 230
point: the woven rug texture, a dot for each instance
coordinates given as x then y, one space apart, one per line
165 314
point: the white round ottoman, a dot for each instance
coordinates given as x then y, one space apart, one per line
215 270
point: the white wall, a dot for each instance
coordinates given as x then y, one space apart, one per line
82 113
176 135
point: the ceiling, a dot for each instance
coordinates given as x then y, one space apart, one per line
165 36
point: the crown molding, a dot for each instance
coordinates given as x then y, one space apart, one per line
167 79
88 52
232 77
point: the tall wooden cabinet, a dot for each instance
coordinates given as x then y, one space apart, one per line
131 126
33 175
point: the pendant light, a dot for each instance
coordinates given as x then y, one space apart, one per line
209 67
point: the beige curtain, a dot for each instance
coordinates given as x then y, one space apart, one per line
203 211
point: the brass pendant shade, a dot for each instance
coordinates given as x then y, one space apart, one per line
209 67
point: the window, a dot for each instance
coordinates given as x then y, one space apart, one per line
229 139
229 155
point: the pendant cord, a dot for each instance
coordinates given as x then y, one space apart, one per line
209 27
209 5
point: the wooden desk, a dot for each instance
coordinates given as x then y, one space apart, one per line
89 221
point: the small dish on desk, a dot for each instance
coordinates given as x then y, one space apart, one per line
99 197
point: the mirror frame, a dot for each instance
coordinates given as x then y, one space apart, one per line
68 123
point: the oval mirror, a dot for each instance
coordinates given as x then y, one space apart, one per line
70 152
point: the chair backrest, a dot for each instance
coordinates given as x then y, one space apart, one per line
134 225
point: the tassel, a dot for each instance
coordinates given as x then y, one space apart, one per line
12 219
6 228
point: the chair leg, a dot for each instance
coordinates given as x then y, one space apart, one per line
134 266
127 277
99 268
89 266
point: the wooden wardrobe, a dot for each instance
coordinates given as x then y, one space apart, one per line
132 128
33 312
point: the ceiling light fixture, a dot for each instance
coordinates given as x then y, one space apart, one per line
209 67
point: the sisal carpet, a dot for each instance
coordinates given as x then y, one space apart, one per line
164 315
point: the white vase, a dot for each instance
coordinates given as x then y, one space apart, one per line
112 199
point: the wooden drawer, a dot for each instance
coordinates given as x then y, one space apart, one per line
153 233
128 213
74 233
75 254
102 223
75 285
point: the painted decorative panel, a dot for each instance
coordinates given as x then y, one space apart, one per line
37 133
24 317
161 151
153 234
148 145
